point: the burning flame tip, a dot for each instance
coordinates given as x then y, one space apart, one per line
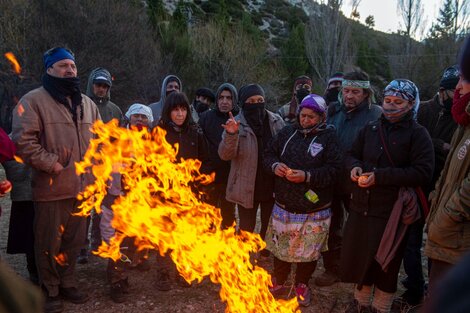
14 62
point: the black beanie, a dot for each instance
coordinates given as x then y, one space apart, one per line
450 78
248 91
206 92
465 60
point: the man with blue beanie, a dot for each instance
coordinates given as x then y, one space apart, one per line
52 131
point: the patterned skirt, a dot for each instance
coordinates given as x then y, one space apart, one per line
295 237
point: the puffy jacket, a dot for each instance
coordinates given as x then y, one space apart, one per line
316 153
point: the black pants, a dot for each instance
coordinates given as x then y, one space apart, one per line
438 270
412 259
248 216
303 271
335 239
227 208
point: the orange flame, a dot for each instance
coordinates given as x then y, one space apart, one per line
160 208
61 229
18 159
20 109
14 62
61 259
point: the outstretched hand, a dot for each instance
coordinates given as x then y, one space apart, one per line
232 125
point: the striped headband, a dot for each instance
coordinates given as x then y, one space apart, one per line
356 83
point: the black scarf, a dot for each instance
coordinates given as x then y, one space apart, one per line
61 88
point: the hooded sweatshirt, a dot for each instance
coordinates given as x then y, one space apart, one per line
157 107
108 110
210 123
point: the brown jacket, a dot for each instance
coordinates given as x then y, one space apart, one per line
242 150
45 133
448 222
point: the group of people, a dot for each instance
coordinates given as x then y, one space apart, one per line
307 167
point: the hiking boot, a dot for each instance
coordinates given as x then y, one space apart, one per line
163 281
303 293
278 290
53 305
117 292
355 307
326 279
82 257
74 295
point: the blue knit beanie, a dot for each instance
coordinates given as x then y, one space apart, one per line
55 55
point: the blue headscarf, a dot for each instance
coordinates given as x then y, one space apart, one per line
406 90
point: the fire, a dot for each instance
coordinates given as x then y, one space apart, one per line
61 259
20 109
14 62
61 229
160 208
18 159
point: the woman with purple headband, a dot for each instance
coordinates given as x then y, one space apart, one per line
305 159
389 159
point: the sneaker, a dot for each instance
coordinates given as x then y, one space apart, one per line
53 305
74 295
277 290
355 307
163 281
117 292
82 257
326 279
303 293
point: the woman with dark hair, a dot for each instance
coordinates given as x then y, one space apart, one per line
389 159
180 129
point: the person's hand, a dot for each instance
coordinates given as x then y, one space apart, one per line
5 187
295 176
355 173
231 126
366 180
57 168
446 146
281 170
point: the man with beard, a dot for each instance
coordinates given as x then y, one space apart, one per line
332 90
302 88
99 90
52 131
353 110
202 103
211 124
170 83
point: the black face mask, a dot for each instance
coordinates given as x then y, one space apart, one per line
254 114
331 95
447 104
301 94
200 107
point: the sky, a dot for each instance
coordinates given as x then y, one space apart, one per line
386 15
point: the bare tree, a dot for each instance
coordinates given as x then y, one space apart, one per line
354 9
411 12
327 39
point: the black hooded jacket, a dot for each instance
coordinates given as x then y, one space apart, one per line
211 124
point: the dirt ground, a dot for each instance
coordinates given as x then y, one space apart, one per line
144 297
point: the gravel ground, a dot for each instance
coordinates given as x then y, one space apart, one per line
143 297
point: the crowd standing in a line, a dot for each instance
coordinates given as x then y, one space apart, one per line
337 176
